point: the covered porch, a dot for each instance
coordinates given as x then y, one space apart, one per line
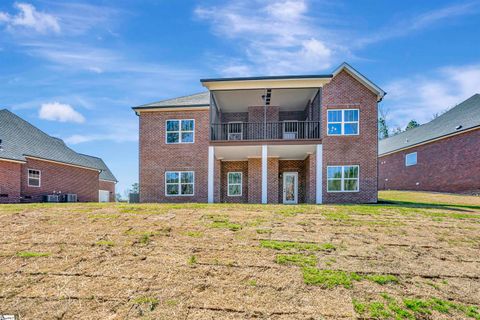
265 174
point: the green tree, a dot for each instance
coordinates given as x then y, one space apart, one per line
412 124
135 188
382 128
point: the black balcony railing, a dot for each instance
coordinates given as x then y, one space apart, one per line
285 130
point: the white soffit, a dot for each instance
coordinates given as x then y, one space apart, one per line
290 152
286 99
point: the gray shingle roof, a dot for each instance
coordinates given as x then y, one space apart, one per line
105 173
194 100
21 139
466 115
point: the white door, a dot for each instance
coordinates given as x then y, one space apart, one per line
103 196
290 187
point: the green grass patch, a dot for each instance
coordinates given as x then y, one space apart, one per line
192 260
106 243
292 245
382 279
194 234
264 231
329 278
151 302
296 259
31 254
226 225
252 282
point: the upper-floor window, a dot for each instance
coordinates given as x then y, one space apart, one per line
411 159
34 178
179 183
234 184
342 178
180 131
342 122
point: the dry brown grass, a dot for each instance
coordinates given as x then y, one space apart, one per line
95 261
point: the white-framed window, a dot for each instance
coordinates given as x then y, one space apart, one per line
34 177
179 183
235 130
235 180
411 159
343 178
343 122
180 131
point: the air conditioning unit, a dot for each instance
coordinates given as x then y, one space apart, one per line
70 197
51 198
290 135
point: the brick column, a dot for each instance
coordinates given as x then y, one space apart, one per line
254 180
272 179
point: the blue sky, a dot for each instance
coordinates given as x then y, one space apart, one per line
75 68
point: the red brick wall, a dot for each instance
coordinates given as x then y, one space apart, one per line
256 114
110 186
59 177
293 166
234 166
272 180
157 157
448 165
9 181
310 179
254 180
345 92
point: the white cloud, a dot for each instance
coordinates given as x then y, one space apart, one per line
276 37
108 129
30 18
421 96
56 111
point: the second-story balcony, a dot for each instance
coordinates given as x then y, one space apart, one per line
254 131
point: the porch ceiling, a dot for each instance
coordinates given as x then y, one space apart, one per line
286 99
290 152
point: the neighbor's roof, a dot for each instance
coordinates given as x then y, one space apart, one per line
20 139
193 100
466 115
203 99
105 173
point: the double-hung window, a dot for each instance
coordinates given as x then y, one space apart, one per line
234 184
179 183
342 178
180 131
343 122
411 159
34 177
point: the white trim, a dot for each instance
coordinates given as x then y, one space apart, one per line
64 163
170 109
235 184
39 178
179 131
179 183
318 175
211 173
406 159
12 160
342 179
343 123
295 174
264 174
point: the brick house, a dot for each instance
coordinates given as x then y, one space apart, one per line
34 164
280 139
442 155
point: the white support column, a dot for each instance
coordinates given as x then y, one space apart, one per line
264 173
211 173
318 174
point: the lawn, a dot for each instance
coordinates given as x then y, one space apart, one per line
414 256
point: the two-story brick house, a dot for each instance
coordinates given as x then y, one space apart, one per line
280 139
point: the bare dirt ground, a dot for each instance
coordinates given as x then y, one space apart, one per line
416 257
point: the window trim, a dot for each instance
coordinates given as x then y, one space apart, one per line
343 122
39 178
179 183
342 179
229 184
179 131
416 159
